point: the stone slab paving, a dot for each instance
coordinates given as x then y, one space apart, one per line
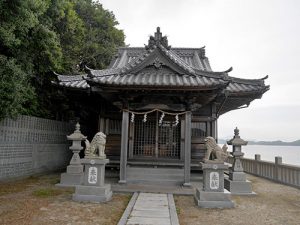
150 208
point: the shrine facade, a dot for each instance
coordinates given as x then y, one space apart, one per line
157 103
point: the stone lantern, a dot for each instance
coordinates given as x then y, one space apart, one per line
74 174
237 153
237 183
77 137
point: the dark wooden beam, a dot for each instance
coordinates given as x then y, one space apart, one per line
124 147
144 106
187 149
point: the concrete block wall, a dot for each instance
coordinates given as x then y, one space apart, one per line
31 145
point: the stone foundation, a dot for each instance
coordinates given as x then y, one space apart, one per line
213 195
205 199
92 193
93 188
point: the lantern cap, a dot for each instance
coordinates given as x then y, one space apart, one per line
237 140
77 135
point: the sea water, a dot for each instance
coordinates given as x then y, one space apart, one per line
289 154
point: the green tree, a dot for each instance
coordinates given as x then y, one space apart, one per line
38 37
101 36
67 24
17 20
17 95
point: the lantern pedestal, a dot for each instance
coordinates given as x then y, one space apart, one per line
93 188
70 179
74 174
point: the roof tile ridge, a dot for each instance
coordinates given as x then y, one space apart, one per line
65 77
178 57
174 48
259 81
137 61
177 60
188 48
215 74
133 48
91 73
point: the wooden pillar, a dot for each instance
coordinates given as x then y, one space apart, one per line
131 140
187 149
213 129
99 122
216 130
107 126
101 125
182 136
214 122
124 146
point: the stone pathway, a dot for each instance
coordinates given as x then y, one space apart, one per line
150 208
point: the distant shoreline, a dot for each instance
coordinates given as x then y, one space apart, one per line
275 143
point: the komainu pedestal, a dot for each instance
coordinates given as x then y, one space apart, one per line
93 188
213 195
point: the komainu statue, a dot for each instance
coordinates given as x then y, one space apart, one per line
96 149
214 151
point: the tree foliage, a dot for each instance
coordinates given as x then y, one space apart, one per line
16 92
38 37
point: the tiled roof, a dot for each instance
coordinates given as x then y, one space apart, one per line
192 57
239 85
126 64
163 77
76 81
157 65
131 68
234 87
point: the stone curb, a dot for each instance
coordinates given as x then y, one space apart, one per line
173 212
128 209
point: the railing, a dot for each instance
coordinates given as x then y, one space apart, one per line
276 171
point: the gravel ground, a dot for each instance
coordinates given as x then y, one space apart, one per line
37 201
274 204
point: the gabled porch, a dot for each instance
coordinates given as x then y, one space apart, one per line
175 148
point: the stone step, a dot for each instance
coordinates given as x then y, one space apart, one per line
155 175
162 182
146 170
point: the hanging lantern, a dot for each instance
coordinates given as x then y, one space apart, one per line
145 118
132 117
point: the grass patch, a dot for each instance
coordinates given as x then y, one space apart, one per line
46 192
54 180
15 186
116 212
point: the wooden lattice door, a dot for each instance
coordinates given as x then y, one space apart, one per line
155 140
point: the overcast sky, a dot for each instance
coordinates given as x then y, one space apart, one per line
255 37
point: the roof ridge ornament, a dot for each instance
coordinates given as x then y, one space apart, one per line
157 63
265 77
156 40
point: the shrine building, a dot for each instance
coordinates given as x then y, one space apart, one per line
156 104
